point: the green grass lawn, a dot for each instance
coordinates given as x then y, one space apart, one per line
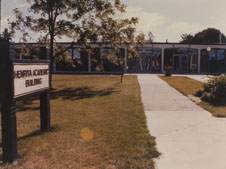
97 123
189 86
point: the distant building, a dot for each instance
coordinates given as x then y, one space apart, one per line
153 58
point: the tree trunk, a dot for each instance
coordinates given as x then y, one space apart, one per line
51 58
122 74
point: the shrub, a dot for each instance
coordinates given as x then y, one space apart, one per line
199 92
215 90
207 97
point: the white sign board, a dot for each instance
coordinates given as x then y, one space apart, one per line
30 78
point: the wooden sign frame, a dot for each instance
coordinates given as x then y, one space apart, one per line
8 100
29 63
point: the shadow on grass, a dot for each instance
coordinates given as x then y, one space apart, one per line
54 128
80 93
64 94
25 104
35 133
215 104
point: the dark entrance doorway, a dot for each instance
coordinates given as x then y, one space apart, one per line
180 63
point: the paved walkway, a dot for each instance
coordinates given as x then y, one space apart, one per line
187 136
201 78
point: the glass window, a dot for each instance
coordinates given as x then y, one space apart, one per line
220 60
220 54
149 60
156 62
212 55
107 51
75 54
193 65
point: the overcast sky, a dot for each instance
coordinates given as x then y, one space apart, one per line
166 19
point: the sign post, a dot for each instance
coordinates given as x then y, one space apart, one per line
9 130
8 105
20 78
45 111
45 97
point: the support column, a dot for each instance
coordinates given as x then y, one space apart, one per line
101 60
126 55
21 56
89 63
162 60
199 59
54 68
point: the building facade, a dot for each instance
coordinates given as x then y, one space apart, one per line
182 58
152 58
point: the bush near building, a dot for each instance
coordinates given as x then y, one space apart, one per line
214 91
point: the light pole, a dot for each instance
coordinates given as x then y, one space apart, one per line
209 49
220 38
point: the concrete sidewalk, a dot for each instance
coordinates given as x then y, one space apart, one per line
187 136
201 78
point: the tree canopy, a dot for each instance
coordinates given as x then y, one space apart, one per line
82 21
141 38
207 36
